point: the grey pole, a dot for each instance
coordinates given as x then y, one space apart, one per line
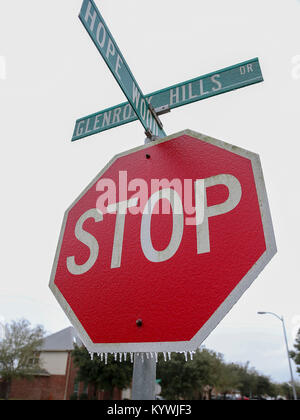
144 377
287 349
289 359
144 368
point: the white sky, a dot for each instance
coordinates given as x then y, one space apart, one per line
51 74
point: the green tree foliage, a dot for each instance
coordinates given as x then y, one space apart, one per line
249 383
19 350
208 373
108 376
189 380
295 355
285 390
179 379
228 379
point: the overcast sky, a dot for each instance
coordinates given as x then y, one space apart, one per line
51 74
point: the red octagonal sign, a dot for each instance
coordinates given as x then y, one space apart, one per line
162 243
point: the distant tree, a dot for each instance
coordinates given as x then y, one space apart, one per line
208 365
228 380
19 350
295 355
114 374
179 379
284 390
263 386
250 383
297 387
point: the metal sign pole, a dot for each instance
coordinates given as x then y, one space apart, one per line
289 359
144 377
144 367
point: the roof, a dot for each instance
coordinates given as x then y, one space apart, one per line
63 340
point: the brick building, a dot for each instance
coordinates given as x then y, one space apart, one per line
57 381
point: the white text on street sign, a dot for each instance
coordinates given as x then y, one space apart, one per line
203 87
106 45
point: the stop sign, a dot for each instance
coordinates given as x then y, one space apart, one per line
162 243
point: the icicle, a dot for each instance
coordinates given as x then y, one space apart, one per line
186 356
169 355
131 357
116 355
120 357
156 357
106 358
165 356
92 356
142 356
191 355
125 357
147 355
101 357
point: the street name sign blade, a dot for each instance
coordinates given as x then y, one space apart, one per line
101 36
203 87
132 278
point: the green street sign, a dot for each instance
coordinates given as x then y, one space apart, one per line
106 45
225 80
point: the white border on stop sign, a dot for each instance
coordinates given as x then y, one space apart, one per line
232 298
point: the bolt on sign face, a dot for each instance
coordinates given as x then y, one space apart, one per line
162 243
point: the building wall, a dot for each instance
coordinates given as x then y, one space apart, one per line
39 388
52 387
56 387
71 373
54 362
